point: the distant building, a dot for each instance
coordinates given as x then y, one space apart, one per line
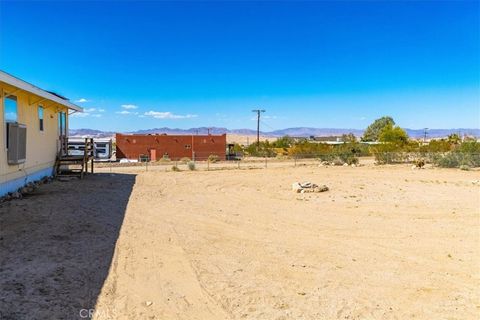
174 147
33 123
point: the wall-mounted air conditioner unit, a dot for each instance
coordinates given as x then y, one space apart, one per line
16 143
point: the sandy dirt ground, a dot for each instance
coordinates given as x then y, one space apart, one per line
384 242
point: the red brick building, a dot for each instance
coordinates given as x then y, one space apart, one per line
175 147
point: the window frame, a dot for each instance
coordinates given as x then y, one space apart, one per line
6 95
62 123
9 97
41 120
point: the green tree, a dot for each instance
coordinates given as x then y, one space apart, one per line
372 132
264 149
454 139
394 135
283 142
349 138
441 145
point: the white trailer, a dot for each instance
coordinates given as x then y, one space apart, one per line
102 148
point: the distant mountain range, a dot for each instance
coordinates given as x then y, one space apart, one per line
293 132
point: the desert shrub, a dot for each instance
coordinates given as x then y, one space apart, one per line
191 166
448 160
363 150
388 153
464 167
454 139
175 168
164 160
472 147
185 160
283 142
325 156
471 153
347 153
466 154
419 163
264 149
433 157
307 149
441 145
456 159
213 158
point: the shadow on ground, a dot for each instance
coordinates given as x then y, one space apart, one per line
57 245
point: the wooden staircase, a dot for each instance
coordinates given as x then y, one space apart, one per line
74 165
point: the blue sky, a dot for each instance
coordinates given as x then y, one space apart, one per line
311 63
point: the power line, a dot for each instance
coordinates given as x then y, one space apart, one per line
258 111
266 124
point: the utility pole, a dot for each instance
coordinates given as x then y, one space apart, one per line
258 111
425 135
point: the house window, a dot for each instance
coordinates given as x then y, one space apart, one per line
11 112
62 124
40 118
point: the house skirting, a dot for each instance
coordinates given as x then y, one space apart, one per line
14 184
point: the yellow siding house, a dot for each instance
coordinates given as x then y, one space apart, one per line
32 124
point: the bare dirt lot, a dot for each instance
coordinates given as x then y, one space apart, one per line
384 243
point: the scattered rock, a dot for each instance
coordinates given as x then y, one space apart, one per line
27 189
16 195
296 187
305 187
148 303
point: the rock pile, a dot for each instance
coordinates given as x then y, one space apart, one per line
27 189
306 187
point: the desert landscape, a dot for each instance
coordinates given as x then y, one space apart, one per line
385 242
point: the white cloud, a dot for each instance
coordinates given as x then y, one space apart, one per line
126 112
129 106
87 112
168 115
81 100
80 115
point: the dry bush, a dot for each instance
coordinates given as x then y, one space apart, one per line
213 158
